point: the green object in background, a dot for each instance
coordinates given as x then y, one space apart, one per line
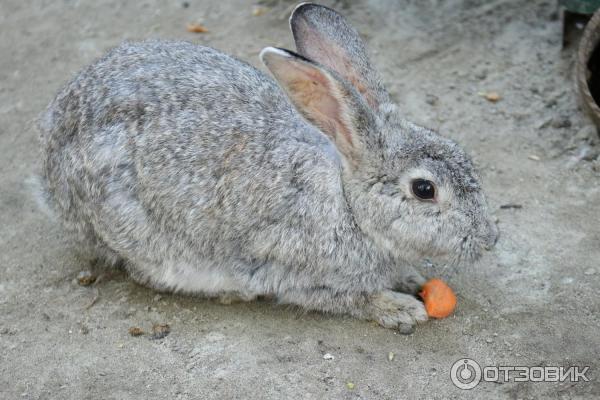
580 6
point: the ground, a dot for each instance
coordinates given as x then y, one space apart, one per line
533 301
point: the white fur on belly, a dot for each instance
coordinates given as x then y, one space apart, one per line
183 277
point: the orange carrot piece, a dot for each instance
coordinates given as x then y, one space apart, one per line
439 299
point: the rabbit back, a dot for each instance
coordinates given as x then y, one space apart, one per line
167 153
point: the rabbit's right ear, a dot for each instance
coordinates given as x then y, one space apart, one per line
323 35
323 99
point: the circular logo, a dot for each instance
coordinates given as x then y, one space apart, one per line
465 374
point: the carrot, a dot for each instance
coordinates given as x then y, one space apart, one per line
439 299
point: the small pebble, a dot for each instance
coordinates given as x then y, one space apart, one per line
533 157
589 271
431 99
328 356
489 340
86 278
391 356
561 122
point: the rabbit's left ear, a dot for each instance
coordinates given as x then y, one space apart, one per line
324 100
323 35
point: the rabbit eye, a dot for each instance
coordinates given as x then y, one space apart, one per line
423 189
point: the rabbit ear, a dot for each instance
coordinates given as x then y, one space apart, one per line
323 35
323 99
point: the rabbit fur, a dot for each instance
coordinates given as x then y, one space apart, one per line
203 175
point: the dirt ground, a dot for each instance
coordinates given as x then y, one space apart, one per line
532 302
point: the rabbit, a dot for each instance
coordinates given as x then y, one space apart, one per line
202 175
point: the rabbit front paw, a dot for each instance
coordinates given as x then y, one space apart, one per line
397 310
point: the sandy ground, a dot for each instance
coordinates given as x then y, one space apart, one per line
534 301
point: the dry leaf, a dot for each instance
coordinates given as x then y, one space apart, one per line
159 331
258 10
491 96
135 331
196 28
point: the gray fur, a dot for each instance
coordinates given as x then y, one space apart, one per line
195 170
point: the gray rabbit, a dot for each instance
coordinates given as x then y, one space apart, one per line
202 175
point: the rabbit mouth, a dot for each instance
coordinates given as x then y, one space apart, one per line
466 250
470 249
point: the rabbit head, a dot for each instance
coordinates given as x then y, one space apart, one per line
412 191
